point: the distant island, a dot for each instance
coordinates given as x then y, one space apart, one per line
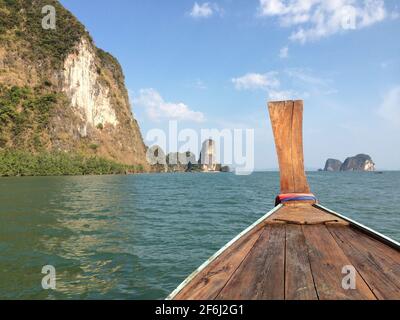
360 162
186 161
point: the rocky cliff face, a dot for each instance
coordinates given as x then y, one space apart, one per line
333 165
59 92
178 162
87 93
208 155
361 162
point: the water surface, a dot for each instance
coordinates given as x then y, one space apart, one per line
138 237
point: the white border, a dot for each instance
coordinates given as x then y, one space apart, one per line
386 239
216 255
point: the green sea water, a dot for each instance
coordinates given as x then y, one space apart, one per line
138 237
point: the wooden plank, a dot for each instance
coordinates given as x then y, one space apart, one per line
209 282
299 283
377 263
304 213
286 119
261 275
300 180
327 261
281 115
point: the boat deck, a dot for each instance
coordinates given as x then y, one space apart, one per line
299 253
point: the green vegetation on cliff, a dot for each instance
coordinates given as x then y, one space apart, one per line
24 114
22 20
19 163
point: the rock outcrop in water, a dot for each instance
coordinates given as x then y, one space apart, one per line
208 157
181 162
360 162
157 159
185 161
333 165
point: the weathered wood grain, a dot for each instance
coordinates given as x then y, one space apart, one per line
327 261
287 121
299 283
300 180
377 263
261 275
304 213
208 283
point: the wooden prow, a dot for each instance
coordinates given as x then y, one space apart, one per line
287 124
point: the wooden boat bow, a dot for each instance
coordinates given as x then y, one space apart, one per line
300 250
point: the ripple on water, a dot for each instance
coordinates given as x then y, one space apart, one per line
138 237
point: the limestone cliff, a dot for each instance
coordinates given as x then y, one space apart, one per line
59 92
184 161
332 165
360 162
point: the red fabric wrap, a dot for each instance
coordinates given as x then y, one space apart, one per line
286 197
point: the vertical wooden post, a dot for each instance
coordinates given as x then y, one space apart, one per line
287 124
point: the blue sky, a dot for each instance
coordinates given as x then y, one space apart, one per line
216 64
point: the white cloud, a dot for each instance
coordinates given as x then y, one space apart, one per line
284 53
268 82
313 84
204 10
316 19
390 107
157 109
254 81
280 95
303 83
